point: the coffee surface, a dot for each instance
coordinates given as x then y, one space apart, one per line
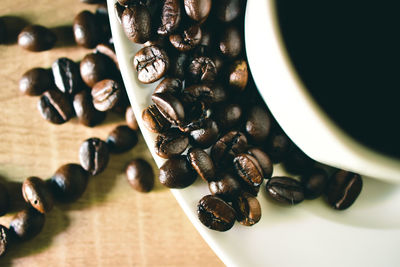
347 55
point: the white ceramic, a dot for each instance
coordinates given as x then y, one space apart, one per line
294 108
310 234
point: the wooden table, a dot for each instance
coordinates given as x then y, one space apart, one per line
111 224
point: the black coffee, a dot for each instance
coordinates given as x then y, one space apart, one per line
347 55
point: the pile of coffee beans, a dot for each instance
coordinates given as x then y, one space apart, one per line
210 118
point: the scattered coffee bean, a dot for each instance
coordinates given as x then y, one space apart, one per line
248 168
186 40
277 146
169 85
202 163
122 139
215 213
176 172
170 107
228 115
4 238
36 192
314 183
285 190
206 135
109 51
35 81
297 162
171 143
264 161
27 223
230 44
69 182
198 10
4 199
228 10
86 30
238 75
198 93
178 64
258 124
106 94
170 17
136 22
151 63
225 149
140 175
67 76
55 107
201 70
36 38
226 186
85 110
130 119
95 68
343 189
248 209
154 121
94 155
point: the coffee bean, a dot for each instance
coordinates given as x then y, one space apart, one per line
186 40
225 149
198 93
215 213
248 168
230 44
228 10
198 10
226 186
4 239
238 75
69 182
86 30
109 51
314 183
94 155
258 124
122 139
36 38
219 93
169 85
170 17
55 107
171 143
27 223
178 64
67 76
151 63
248 209
154 121
36 192
140 175
130 119
35 81
201 70
206 135
264 161
136 22
277 146
95 68
202 163
4 199
85 110
176 172
343 189
228 115
297 162
285 190
106 94
170 107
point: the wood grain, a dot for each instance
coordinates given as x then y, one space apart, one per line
111 224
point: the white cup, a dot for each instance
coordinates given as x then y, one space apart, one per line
293 107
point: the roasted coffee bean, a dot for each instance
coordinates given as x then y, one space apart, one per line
36 192
170 17
94 155
170 107
140 175
187 40
171 143
109 51
3 36
131 119
4 199
201 70
177 172
228 10
230 44
151 63
264 161
226 186
228 115
136 22
154 121
86 30
4 238
297 162
248 168
219 93
103 22
27 223
198 10
258 124
122 139
238 75
202 163
36 38
225 149
106 94
198 93
206 135
69 182
35 81
277 146
55 107
215 213
95 68
248 209
67 76
285 190
178 64
314 183
169 85
218 61
343 189
85 111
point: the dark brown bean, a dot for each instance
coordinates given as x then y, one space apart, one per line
201 70
178 64
297 162
230 44
176 172
55 107
258 124
264 161
95 68
228 10
170 107
140 175
36 192
4 199
36 81
5 238
94 155
215 213
106 94
186 40
170 17
198 10
314 183
277 146
85 111
169 85
206 135
248 209
285 190
238 75
248 168
67 76
86 30
219 93
198 93
136 22
202 163
228 115
27 223
171 143
226 186
225 149
151 64
122 139
36 38
130 119
154 121
343 189
109 51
